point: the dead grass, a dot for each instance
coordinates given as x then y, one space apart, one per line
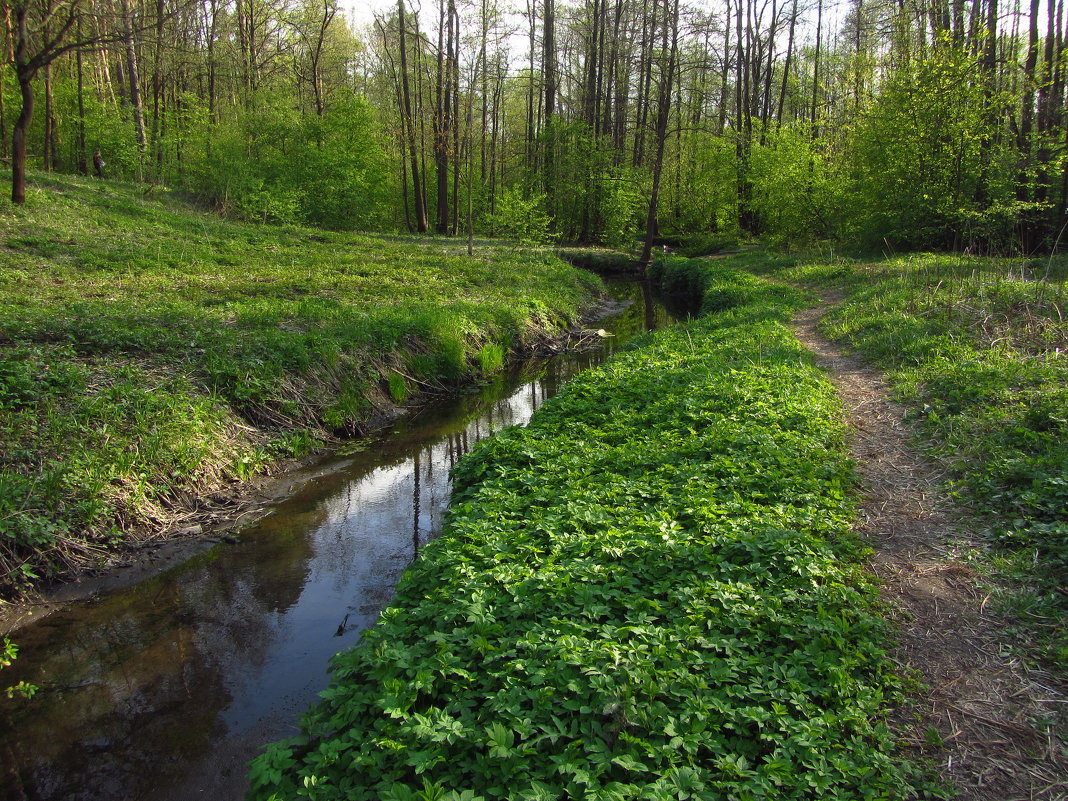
994 726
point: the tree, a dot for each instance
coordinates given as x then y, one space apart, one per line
667 76
35 46
41 31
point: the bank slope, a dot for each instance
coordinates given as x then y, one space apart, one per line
648 593
151 353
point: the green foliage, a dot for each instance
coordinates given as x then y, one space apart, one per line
398 387
595 200
148 351
649 592
708 244
522 218
623 206
721 285
976 349
708 198
490 359
272 166
602 261
795 191
923 160
7 655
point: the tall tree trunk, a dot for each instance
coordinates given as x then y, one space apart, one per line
741 106
645 84
83 156
816 69
158 89
589 95
48 150
484 78
607 122
18 140
765 116
24 73
408 125
213 5
549 67
988 68
1027 112
726 62
667 77
454 75
8 58
442 111
622 94
498 89
858 78
532 50
131 71
421 72
786 66
1046 89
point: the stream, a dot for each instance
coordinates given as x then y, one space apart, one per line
166 689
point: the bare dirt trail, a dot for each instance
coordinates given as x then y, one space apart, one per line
994 716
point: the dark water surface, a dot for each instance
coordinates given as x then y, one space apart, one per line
166 689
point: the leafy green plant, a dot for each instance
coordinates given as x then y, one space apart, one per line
649 592
490 359
398 387
8 653
522 218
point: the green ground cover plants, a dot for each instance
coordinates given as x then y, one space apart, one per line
650 592
977 350
149 352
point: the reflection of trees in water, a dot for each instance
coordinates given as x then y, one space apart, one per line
137 685
102 726
134 690
275 565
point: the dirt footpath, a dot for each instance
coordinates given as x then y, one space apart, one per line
986 719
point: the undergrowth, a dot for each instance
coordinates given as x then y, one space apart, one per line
977 350
150 352
650 592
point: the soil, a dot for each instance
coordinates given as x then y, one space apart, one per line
994 726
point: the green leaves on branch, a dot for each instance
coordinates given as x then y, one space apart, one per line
8 652
522 218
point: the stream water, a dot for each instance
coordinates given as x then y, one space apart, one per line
166 689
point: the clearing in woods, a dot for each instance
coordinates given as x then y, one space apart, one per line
984 716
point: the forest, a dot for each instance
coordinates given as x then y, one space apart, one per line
887 126
317 392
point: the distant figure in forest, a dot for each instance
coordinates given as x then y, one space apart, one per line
98 163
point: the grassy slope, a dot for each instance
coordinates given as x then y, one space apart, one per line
149 352
977 349
648 593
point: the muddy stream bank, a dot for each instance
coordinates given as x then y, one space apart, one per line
165 689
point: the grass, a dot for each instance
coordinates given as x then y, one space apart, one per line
150 352
977 350
650 592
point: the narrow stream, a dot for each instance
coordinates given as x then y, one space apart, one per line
166 689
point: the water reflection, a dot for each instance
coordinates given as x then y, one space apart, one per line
167 688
